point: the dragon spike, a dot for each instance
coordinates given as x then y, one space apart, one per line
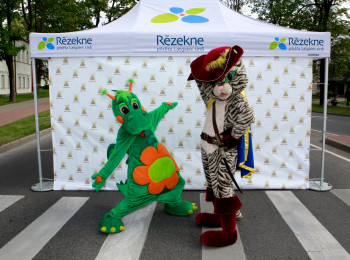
104 92
111 96
130 86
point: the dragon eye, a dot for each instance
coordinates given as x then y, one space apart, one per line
135 105
124 109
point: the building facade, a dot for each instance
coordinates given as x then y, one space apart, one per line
23 72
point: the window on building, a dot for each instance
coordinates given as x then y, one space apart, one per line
2 81
19 83
23 56
28 83
24 82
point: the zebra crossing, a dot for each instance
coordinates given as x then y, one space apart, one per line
29 242
311 237
8 200
316 239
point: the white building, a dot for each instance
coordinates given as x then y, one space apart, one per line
23 73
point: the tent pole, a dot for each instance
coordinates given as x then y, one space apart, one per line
48 185
321 185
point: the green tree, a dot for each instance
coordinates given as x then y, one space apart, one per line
52 16
10 32
96 9
119 8
234 4
312 15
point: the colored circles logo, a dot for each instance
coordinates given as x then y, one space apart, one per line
176 13
278 43
46 42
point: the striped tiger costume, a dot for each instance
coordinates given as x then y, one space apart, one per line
221 77
232 112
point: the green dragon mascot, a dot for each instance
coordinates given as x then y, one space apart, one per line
153 174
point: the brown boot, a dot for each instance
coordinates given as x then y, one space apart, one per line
226 209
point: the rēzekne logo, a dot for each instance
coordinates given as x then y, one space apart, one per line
65 43
297 44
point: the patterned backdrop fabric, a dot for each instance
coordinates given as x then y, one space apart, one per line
83 125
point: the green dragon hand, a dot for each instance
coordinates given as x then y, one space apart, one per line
99 181
171 105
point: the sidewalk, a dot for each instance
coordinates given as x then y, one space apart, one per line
340 141
16 111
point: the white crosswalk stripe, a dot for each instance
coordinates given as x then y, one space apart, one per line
314 237
316 240
128 244
235 251
32 239
8 200
343 194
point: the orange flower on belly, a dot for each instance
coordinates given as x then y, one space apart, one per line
160 169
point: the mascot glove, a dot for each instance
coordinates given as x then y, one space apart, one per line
99 181
171 105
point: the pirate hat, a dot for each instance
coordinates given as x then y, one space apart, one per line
214 65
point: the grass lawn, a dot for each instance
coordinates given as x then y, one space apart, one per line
24 97
332 110
23 127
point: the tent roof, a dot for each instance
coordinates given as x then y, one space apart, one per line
181 28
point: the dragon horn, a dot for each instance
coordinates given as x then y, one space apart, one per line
104 92
130 86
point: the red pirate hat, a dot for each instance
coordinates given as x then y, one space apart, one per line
214 65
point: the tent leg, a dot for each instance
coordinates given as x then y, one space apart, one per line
47 185
321 185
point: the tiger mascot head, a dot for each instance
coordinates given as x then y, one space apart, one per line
220 73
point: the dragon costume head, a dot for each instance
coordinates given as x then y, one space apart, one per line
128 110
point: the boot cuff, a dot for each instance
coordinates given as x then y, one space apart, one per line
226 206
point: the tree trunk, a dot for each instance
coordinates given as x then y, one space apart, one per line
10 67
38 70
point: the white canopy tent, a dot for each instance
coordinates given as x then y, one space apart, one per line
138 34
185 28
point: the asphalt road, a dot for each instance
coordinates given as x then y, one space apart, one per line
265 233
339 125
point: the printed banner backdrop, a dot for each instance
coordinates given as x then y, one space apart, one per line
279 92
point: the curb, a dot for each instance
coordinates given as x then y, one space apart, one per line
339 145
6 147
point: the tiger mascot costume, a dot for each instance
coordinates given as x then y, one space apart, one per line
221 77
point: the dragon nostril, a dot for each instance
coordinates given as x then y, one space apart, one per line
131 118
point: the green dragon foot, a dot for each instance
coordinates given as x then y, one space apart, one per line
183 208
109 224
